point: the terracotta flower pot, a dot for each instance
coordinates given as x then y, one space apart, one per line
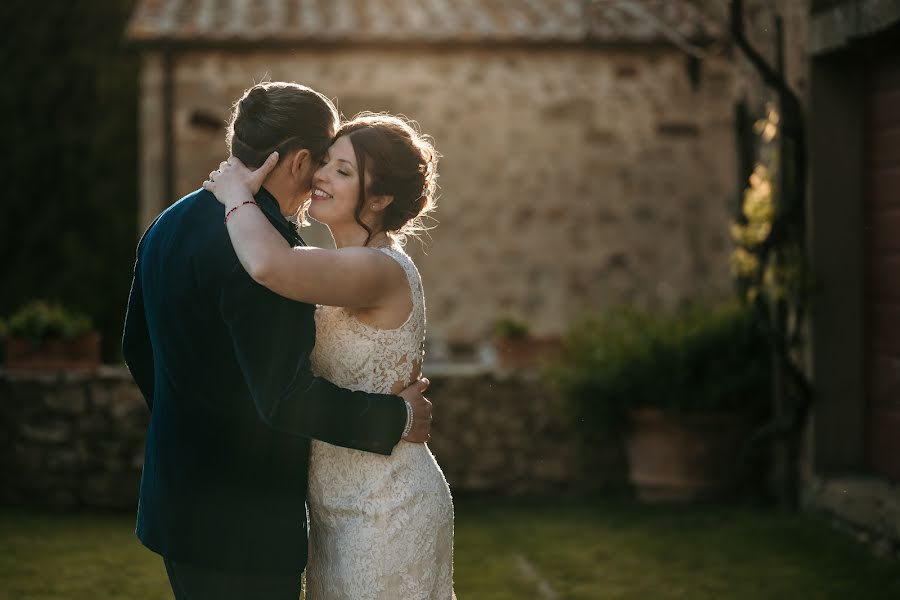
82 352
685 457
526 351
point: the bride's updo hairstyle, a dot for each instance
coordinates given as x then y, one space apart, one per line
394 159
280 116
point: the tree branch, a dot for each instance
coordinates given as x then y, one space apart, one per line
636 10
770 76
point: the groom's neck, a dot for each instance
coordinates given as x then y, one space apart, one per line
283 193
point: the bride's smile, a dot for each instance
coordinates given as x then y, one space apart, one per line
336 188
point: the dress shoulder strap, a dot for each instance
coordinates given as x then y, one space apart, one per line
412 274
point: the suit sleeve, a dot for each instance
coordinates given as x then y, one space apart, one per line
272 342
136 347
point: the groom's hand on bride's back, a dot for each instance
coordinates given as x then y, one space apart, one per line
421 409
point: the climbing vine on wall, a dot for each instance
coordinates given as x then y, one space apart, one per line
770 262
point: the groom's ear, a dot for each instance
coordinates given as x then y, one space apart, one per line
300 162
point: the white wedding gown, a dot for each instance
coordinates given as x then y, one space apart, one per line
381 527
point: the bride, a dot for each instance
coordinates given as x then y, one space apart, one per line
381 527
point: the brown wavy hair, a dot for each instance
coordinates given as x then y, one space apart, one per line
393 159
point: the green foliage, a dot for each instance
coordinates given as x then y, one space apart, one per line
761 270
508 327
68 106
697 359
40 320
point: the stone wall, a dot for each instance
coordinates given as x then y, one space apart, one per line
573 178
509 434
866 507
72 440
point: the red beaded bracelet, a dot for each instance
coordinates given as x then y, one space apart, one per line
228 214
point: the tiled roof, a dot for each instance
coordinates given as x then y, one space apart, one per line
420 21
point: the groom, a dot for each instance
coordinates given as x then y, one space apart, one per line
224 365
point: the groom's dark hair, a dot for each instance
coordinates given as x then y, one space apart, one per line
280 116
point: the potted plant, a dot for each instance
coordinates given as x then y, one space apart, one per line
516 348
4 331
46 336
682 390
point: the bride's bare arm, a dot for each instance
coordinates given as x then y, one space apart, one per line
351 277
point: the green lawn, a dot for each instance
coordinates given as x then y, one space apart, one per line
509 550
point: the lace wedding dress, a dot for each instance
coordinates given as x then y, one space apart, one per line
381 527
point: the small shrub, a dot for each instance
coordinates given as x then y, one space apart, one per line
694 360
40 320
510 328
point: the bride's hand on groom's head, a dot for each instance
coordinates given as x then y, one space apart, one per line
421 408
231 182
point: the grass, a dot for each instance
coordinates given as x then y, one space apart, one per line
577 550
619 550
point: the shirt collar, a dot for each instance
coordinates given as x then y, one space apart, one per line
270 207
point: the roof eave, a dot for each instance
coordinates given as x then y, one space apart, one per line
268 41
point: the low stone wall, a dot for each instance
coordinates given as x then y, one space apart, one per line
73 440
866 507
509 434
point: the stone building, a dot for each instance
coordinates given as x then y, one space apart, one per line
842 58
588 153
588 160
853 466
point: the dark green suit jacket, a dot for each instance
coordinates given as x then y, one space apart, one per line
224 365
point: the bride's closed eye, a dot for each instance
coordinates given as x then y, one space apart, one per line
325 161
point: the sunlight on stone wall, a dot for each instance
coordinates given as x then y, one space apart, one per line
571 179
